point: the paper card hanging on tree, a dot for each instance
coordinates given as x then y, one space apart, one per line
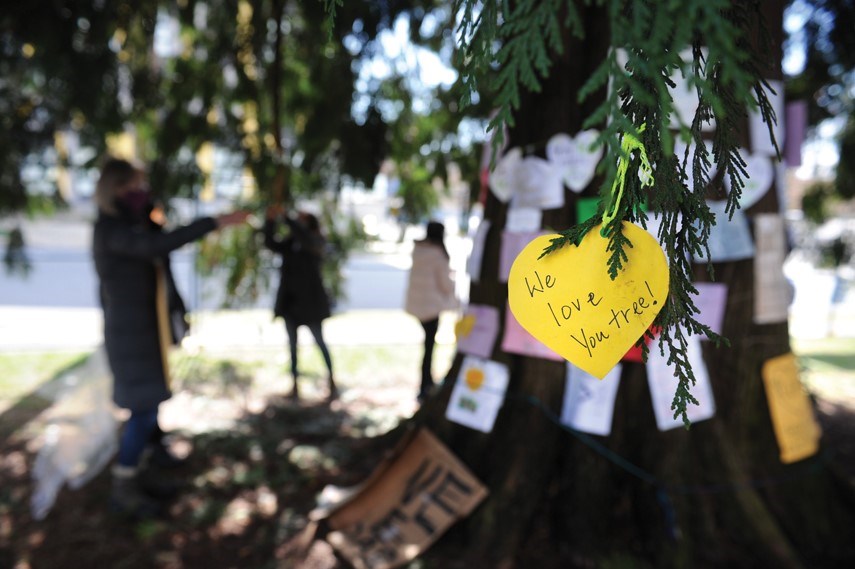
761 175
761 142
589 402
795 128
405 506
517 340
796 428
781 187
523 219
575 157
567 300
772 291
729 240
478 393
635 353
685 96
512 244
539 185
711 301
477 330
680 152
504 178
663 385
473 264
654 222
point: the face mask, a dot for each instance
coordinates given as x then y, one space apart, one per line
135 203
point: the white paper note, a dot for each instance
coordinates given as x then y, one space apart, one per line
504 178
478 393
772 291
689 161
663 385
539 185
574 158
523 219
761 175
759 130
729 240
589 402
473 264
685 96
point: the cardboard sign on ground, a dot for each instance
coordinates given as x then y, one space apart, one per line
405 506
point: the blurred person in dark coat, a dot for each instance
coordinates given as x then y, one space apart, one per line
131 255
301 299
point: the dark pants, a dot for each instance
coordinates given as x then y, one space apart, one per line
316 330
430 328
138 432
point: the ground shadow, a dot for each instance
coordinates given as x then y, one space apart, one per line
248 489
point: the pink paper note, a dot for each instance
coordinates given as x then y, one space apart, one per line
711 301
512 244
482 337
518 341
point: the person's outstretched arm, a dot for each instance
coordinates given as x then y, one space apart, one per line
271 240
133 242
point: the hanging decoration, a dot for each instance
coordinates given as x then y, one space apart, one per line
567 299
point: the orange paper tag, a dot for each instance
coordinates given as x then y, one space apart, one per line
568 301
795 426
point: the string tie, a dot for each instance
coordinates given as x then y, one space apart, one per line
629 144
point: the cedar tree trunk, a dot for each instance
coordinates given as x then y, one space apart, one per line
720 496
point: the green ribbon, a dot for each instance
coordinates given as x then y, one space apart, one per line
628 145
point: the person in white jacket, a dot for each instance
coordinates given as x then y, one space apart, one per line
430 290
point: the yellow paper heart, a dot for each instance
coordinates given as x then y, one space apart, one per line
464 326
568 301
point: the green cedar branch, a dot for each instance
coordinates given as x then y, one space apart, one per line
652 37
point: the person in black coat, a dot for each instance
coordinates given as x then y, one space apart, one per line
301 299
131 256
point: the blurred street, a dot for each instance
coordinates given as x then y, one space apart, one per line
55 307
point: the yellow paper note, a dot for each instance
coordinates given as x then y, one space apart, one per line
568 301
464 326
792 414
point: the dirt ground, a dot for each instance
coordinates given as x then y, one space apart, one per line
256 462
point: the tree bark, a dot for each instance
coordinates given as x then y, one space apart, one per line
716 495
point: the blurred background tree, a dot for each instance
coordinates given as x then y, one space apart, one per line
822 39
293 106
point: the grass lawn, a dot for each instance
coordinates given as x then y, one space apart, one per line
212 390
391 372
828 368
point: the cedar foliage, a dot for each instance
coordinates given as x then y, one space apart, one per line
652 35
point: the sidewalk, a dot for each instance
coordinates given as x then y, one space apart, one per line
44 329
